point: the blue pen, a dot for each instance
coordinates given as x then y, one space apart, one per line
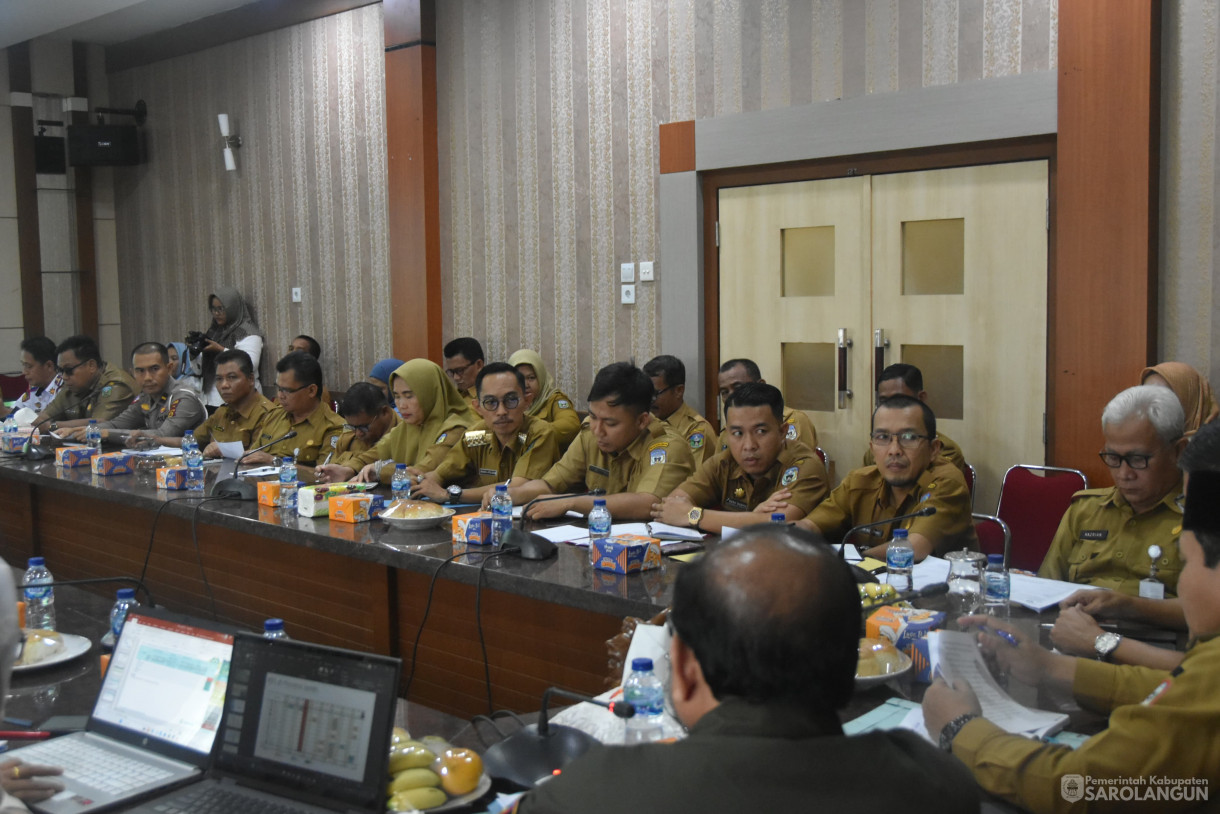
1003 634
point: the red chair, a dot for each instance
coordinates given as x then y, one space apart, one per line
821 453
1032 502
994 535
12 385
969 474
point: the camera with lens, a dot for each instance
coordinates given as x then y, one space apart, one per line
196 341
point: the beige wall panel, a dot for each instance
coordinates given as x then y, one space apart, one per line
57 229
108 301
51 66
10 349
8 188
110 341
10 275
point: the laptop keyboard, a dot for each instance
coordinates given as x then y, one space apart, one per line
211 798
93 766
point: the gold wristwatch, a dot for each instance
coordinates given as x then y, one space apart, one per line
694 516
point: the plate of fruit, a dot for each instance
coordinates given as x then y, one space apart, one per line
429 774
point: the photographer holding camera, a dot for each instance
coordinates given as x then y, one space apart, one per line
232 328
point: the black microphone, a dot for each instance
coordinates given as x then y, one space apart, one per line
537 752
55 583
34 452
532 546
935 589
926 511
240 488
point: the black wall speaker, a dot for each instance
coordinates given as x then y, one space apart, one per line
103 145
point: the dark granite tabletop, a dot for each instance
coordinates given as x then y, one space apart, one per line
567 579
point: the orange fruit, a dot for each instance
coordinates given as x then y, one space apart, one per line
460 771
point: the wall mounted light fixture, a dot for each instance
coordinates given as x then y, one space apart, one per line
230 142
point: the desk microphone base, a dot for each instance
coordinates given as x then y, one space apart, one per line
526 758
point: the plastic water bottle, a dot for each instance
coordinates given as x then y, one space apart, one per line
10 424
193 459
899 561
39 596
125 600
501 514
93 435
997 586
644 691
274 629
400 487
288 482
599 525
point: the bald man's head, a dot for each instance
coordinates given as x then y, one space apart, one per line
772 615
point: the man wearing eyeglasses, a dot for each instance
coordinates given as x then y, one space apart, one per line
668 376
463 361
507 446
298 383
909 475
369 417
1105 535
92 388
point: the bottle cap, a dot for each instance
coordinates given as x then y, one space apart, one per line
501 487
641 664
995 558
273 624
779 517
37 561
400 467
599 501
125 593
900 533
93 421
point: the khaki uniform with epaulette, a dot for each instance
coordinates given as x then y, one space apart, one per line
479 459
312 438
721 483
949 450
229 424
695 429
349 446
170 414
655 463
112 392
563 418
797 427
1102 541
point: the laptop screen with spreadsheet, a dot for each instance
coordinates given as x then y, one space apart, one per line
307 718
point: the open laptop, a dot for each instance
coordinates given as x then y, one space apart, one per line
306 728
155 719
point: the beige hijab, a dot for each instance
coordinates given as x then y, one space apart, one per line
444 408
546 384
1191 389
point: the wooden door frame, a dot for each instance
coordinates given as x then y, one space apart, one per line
1003 151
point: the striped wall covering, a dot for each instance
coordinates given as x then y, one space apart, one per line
548 134
306 208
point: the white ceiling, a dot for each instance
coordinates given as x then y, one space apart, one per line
105 22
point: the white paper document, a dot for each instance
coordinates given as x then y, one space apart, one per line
233 450
852 554
929 572
1038 594
162 450
579 535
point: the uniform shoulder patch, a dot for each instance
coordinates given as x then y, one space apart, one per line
792 433
656 455
696 441
563 404
789 475
926 495
106 390
441 438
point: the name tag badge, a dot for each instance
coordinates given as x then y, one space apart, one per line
1152 589
1094 534
735 505
491 472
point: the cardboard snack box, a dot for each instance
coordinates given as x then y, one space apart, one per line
70 457
626 553
113 463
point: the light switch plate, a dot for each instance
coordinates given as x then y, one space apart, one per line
627 273
628 295
296 295
646 273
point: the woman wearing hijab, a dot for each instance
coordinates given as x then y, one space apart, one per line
380 376
434 416
545 400
1191 389
232 327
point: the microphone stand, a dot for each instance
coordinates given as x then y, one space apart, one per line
862 576
539 751
239 488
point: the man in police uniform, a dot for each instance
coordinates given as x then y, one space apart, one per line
298 382
736 372
1105 536
1159 749
668 376
636 460
909 477
907 380
463 361
38 368
761 473
369 418
507 446
92 388
164 407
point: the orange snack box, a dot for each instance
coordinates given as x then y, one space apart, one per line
69 457
269 492
113 463
351 508
171 477
626 553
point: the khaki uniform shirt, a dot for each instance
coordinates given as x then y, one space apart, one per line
1101 541
392 449
348 447
111 394
230 424
479 459
312 438
470 395
864 497
797 427
563 418
656 463
1162 725
695 429
171 413
949 450
720 483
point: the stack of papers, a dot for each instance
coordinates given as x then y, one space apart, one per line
1038 594
580 536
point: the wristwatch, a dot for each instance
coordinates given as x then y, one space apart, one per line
455 493
1105 644
694 516
952 728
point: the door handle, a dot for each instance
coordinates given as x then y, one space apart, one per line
880 343
844 344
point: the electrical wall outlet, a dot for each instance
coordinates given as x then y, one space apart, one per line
626 273
296 295
646 272
628 295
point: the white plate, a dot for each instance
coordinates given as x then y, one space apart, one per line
74 647
479 791
904 664
419 523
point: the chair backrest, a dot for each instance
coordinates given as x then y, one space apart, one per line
994 536
969 474
821 454
1032 502
12 385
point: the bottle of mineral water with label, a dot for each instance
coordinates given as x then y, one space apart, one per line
599 524
501 514
644 691
125 600
193 458
400 486
997 587
39 596
288 482
93 435
899 561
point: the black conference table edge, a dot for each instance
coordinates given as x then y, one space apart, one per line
564 580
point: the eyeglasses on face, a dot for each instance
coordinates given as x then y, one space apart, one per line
491 403
68 370
288 391
458 372
657 394
1135 460
906 440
